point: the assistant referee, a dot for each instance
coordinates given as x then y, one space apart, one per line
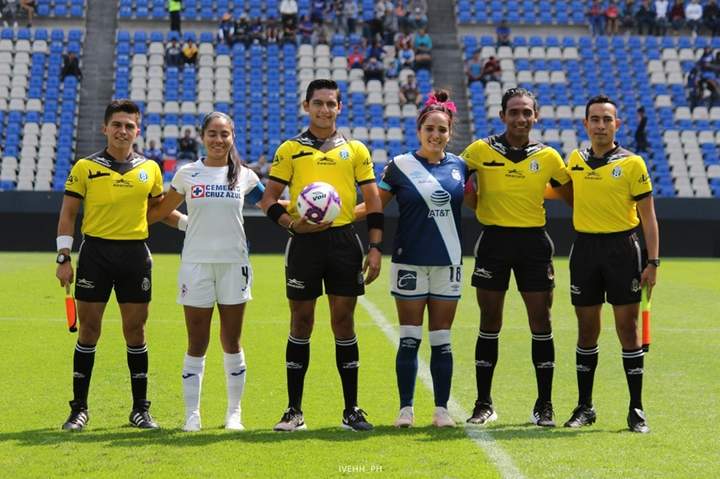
611 187
114 186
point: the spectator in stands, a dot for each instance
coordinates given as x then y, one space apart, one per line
318 10
390 23
174 55
320 36
376 50
188 147
272 31
9 10
422 41
612 14
190 52
241 31
693 16
374 70
418 17
174 7
375 25
261 167
29 7
71 66
226 30
661 17
627 16
305 29
403 17
423 59
289 13
490 71
596 18
645 17
711 17
153 152
410 92
257 32
474 68
393 67
502 34
641 142
694 87
350 13
406 54
356 59
289 35
677 15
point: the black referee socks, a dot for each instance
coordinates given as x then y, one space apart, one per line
83 361
137 360
347 358
297 359
543 358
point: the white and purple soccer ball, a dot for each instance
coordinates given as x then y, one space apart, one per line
319 202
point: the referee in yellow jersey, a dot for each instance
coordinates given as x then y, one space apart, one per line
512 174
114 186
611 188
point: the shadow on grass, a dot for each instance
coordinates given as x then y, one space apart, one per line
503 432
130 437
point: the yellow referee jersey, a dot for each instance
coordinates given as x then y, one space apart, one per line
336 160
115 194
606 190
511 181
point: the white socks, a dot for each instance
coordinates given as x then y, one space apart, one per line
193 370
235 376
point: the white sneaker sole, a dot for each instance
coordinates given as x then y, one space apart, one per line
283 429
493 417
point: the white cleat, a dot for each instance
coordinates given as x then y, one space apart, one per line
192 423
233 421
441 418
406 418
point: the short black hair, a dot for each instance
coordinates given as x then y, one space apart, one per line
123 105
322 84
598 99
513 92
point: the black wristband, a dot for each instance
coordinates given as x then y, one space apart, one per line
275 211
375 221
377 246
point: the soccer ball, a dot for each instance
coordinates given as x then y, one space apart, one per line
318 202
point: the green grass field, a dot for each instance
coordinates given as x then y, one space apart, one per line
682 393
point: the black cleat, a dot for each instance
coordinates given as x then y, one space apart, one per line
582 415
636 421
291 420
140 417
483 413
354 419
77 419
542 414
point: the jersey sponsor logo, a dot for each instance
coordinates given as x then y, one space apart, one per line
439 213
296 283
197 191
514 173
455 173
406 280
85 283
483 273
145 284
325 161
97 174
575 289
300 154
122 183
534 166
591 175
617 172
143 176
440 197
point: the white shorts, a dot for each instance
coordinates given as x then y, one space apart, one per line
409 281
203 284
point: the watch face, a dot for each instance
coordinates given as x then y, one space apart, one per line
62 258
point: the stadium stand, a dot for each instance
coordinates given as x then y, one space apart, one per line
38 111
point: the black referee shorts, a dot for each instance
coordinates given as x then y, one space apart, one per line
106 264
605 264
333 256
527 252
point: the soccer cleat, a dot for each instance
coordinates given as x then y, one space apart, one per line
354 420
582 415
483 413
542 414
192 423
233 421
636 421
406 418
292 420
77 419
441 418
140 417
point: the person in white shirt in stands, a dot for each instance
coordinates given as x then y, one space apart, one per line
215 266
693 16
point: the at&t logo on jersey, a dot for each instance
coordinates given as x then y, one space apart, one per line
439 198
197 191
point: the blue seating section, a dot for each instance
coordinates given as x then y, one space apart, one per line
207 10
60 8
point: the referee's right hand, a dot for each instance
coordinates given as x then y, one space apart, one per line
302 226
64 273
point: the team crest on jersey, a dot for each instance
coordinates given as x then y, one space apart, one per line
145 285
617 172
455 173
197 191
635 286
406 280
143 176
344 154
534 166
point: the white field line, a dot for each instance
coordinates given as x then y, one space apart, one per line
499 457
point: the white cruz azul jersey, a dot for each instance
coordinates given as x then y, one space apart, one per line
215 232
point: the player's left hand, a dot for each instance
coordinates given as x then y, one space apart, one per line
372 265
302 226
649 278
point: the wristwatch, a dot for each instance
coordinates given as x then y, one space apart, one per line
654 262
62 258
377 246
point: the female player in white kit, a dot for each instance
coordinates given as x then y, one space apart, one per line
426 273
215 266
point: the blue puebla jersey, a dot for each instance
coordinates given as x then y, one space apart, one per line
430 197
